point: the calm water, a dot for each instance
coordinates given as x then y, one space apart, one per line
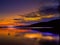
12 36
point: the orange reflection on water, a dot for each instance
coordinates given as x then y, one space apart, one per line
12 31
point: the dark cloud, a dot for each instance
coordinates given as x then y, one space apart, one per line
49 10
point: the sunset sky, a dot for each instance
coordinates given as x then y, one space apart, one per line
12 8
17 7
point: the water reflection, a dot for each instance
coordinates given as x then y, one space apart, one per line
26 37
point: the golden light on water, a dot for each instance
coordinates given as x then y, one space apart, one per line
11 32
33 35
48 38
25 36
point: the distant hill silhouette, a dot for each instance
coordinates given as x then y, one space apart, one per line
53 23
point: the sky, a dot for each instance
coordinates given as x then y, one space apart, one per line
11 8
17 7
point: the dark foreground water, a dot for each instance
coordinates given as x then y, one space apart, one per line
12 36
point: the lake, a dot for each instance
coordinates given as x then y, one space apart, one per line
13 36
